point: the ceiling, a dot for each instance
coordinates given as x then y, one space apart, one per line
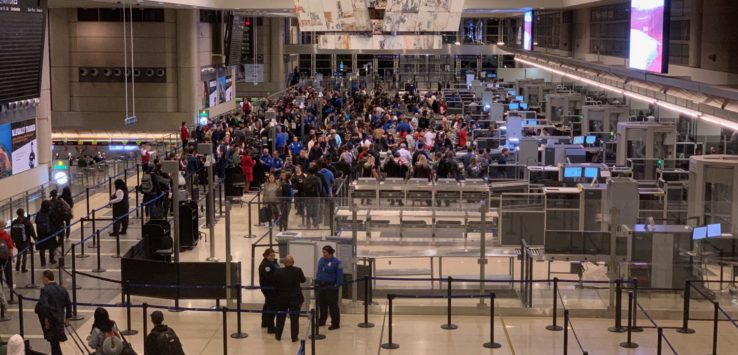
470 6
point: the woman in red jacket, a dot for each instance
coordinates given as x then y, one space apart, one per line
247 166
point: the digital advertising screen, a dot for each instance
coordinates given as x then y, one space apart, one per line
649 35
25 148
225 89
6 150
528 31
212 93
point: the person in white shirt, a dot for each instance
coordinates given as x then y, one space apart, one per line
405 154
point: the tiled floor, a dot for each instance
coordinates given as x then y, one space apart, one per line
416 323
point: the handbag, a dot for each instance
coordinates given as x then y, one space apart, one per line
127 347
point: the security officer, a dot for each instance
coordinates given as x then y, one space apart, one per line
267 269
328 280
289 296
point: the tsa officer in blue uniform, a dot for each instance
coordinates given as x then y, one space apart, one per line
328 280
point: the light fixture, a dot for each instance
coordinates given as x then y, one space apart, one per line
500 43
457 43
667 105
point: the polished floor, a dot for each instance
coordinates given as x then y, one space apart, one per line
416 323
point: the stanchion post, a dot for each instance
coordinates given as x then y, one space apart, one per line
629 344
555 327
492 344
10 281
316 335
225 330
366 323
685 313
94 228
660 334
33 268
566 331
239 334
128 330
82 254
59 263
313 321
618 328
715 322
110 185
21 328
87 201
145 308
117 246
75 315
390 345
99 267
449 325
635 326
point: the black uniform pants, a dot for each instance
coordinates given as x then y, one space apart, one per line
270 306
294 309
328 304
120 226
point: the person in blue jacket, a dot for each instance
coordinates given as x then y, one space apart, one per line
328 280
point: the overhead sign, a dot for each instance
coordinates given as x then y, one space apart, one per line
253 73
130 121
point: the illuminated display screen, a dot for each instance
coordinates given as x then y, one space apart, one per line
591 173
572 173
514 106
714 230
699 233
578 140
649 37
528 31
524 105
591 139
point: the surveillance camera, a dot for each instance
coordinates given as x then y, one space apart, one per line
94 71
149 72
107 72
83 72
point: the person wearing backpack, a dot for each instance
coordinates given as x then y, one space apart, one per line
311 192
149 187
66 196
43 232
162 340
21 229
6 250
60 214
104 338
119 202
286 193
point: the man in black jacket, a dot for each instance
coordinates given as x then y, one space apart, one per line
162 340
21 229
289 296
54 310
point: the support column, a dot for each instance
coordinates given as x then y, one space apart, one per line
277 68
695 34
188 73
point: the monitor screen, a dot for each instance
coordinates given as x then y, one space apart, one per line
649 35
519 98
699 233
572 172
524 105
511 92
591 173
530 122
578 140
714 230
528 31
514 106
591 140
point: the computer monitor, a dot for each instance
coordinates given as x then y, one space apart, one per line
572 172
511 92
578 140
699 233
519 98
531 122
524 105
591 173
714 230
591 140
514 106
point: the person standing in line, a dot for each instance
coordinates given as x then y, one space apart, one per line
329 280
162 340
184 134
21 229
267 269
287 283
247 167
54 309
66 196
60 214
103 329
119 202
43 232
285 200
6 250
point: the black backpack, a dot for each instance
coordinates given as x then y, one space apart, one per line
311 187
43 225
18 232
168 343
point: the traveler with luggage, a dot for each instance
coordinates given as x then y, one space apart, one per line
104 338
44 232
6 250
23 233
162 340
61 214
66 196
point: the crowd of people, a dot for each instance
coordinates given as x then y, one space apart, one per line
304 144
